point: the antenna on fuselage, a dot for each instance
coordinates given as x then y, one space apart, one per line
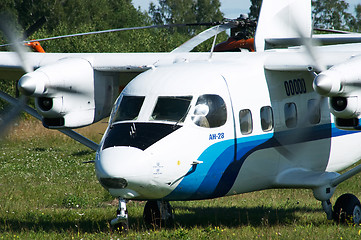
214 43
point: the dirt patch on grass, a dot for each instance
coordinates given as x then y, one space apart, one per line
33 129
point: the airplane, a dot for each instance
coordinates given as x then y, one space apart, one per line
193 126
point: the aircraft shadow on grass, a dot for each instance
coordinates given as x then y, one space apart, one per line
240 216
231 217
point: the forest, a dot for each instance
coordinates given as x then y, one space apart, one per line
78 16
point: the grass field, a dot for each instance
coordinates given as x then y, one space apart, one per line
47 192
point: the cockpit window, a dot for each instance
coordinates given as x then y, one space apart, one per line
210 111
173 109
129 108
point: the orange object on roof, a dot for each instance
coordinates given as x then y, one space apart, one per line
233 45
35 46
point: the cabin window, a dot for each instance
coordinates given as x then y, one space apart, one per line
314 111
290 111
210 111
173 109
266 118
245 120
129 108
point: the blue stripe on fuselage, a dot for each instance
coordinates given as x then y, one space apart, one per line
219 170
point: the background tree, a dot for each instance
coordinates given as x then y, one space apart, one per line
254 9
356 26
332 14
185 11
76 16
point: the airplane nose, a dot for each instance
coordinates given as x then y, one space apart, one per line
123 169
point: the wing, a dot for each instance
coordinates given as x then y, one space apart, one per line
321 39
299 60
106 71
63 80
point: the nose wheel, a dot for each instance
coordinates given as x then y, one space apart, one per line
120 223
158 213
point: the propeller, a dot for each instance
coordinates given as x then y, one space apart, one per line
303 130
15 42
11 114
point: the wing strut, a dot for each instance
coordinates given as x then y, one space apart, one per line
343 177
74 135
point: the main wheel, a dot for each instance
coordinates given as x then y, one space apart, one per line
157 213
347 209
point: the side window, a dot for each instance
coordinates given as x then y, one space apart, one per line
210 111
267 118
245 121
314 111
290 115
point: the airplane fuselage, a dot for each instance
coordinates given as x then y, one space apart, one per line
206 129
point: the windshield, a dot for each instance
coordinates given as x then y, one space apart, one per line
172 109
129 108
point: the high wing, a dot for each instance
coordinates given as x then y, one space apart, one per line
73 90
321 39
294 61
131 63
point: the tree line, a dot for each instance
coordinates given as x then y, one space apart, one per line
76 16
330 14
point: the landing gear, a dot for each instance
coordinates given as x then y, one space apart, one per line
120 223
347 209
327 207
158 213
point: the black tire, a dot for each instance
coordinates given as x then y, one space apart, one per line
121 227
152 214
347 209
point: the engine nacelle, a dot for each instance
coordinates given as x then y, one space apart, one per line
70 93
346 111
342 84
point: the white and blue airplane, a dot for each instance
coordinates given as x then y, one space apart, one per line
192 126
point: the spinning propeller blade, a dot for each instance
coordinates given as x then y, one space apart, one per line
303 130
20 50
10 115
15 42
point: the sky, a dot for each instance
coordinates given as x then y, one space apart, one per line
232 8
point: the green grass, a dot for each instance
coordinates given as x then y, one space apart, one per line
46 192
